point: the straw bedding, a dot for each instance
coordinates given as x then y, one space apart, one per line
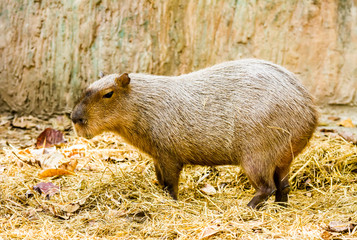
114 195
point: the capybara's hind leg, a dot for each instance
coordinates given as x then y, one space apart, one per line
281 173
262 180
281 179
262 194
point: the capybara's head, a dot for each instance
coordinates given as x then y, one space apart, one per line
102 104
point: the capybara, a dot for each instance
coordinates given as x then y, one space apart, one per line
249 112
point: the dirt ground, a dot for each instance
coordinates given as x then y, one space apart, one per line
113 193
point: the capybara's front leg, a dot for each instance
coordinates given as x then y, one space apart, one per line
170 174
158 173
281 179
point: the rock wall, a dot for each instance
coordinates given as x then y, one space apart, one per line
50 50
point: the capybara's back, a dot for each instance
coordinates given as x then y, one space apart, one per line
248 112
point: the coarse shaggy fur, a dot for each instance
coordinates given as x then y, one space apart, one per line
249 112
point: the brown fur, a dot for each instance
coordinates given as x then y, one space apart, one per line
249 112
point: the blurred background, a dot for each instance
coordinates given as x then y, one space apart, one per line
51 50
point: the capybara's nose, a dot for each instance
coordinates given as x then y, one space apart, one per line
78 117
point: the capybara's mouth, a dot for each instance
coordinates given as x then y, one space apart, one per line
81 131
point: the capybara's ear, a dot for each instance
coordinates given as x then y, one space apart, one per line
123 80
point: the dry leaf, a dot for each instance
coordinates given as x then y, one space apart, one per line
209 189
346 123
348 136
31 214
326 235
49 158
71 208
25 122
334 118
327 130
53 160
49 189
41 151
339 226
115 160
76 150
49 137
25 151
138 217
54 172
70 166
209 231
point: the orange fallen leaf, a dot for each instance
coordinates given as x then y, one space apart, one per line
25 151
326 235
54 172
75 151
346 123
70 166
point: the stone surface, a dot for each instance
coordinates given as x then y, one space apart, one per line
51 50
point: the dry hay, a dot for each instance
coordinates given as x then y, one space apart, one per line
114 195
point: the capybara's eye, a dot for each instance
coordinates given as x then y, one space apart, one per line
108 95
